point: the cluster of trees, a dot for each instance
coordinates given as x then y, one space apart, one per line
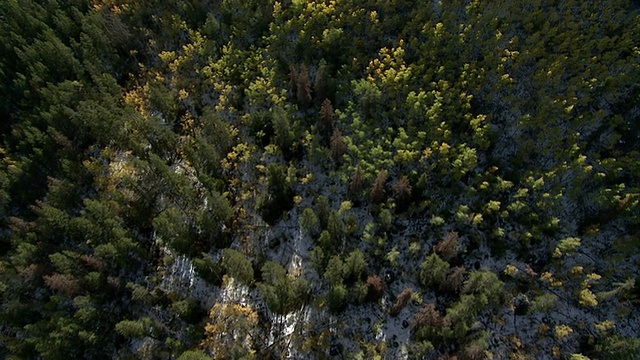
447 163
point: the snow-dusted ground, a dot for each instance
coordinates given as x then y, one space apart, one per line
286 244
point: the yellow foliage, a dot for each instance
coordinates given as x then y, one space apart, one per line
577 270
510 270
587 298
604 326
230 329
562 331
543 329
593 277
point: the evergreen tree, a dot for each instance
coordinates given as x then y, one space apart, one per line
378 192
238 266
433 271
402 194
338 147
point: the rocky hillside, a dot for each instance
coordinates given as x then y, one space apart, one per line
333 179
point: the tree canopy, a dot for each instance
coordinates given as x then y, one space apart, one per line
316 179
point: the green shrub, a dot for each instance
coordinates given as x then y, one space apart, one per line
433 271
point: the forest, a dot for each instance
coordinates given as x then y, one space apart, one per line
331 179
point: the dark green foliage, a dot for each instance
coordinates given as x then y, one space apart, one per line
282 293
618 347
211 142
335 228
323 210
318 259
138 137
481 289
370 98
337 297
188 310
208 269
283 130
355 266
386 219
237 266
309 221
134 328
326 241
193 355
335 271
433 271
279 196
485 283
171 226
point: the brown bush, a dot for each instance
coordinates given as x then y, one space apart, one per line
448 357
375 288
455 279
448 247
401 302
93 262
429 315
64 283
473 351
402 193
303 88
378 193
338 147
357 180
19 227
326 118
293 79
30 272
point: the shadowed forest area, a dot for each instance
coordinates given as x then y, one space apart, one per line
256 179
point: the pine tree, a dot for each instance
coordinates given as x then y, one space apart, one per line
378 193
231 331
303 88
281 293
279 196
401 301
402 194
321 84
284 135
293 79
433 271
357 181
375 288
337 297
429 315
335 270
447 248
309 221
323 210
238 266
326 121
335 227
338 147
354 266
455 279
